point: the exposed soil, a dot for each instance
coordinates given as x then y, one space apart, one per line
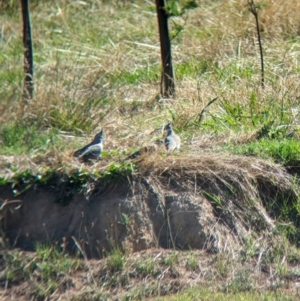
209 202
215 204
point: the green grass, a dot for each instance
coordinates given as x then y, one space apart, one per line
284 151
171 260
82 73
207 295
115 260
143 74
192 263
20 138
49 268
146 268
44 270
11 76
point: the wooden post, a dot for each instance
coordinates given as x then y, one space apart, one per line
28 57
167 80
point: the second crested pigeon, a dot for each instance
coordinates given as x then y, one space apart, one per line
172 141
92 151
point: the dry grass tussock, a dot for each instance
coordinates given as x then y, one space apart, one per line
230 182
219 164
277 18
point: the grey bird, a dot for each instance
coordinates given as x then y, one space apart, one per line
172 141
91 151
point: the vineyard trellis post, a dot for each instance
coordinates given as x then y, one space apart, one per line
28 55
167 79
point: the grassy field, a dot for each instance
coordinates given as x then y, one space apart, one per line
97 65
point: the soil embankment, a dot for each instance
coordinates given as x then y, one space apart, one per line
213 202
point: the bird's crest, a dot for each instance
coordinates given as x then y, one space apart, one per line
98 137
168 127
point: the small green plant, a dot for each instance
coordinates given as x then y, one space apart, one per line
170 260
115 260
192 263
117 171
222 265
124 219
293 255
51 262
250 249
213 198
146 268
15 264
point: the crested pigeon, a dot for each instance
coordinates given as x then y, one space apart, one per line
92 151
172 141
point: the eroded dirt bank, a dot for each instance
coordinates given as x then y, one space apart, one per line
211 202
